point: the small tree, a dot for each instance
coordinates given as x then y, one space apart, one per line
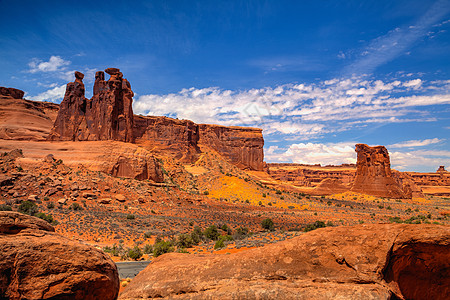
162 247
267 224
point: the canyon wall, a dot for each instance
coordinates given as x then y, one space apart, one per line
108 115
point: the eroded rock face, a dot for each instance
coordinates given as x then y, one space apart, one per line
107 116
37 263
373 173
242 146
376 261
11 92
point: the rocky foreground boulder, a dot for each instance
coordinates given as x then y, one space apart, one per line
37 263
377 261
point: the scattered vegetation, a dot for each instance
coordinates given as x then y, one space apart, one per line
268 224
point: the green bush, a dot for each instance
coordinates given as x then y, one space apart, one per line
48 218
315 225
76 206
197 235
162 247
211 233
240 233
267 224
184 241
148 249
134 253
4 207
219 244
28 207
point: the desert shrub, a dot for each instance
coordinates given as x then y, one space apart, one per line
219 244
278 192
240 233
4 207
197 235
267 224
148 249
48 218
205 193
330 224
211 233
50 205
184 241
162 247
315 225
28 207
147 235
114 250
134 253
131 217
264 195
226 229
76 206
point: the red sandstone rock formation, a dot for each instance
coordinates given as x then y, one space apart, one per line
242 146
37 263
441 169
23 119
376 261
373 173
162 134
11 93
107 116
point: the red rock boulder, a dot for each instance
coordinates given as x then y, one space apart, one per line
377 261
37 263
11 92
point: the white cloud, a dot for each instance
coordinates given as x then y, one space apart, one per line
55 63
425 160
415 143
53 95
313 153
303 110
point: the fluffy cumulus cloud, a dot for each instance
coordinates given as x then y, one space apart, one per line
305 111
54 64
55 95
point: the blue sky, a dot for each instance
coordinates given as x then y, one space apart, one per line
317 76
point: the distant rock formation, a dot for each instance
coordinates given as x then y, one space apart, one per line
37 263
373 173
441 169
108 115
376 261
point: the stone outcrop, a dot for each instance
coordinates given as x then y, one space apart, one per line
373 173
441 169
376 261
37 263
177 137
242 146
23 119
108 115
11 93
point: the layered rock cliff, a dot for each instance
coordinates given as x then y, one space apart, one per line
108 115
22 119
373 173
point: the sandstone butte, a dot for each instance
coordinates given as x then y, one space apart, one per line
37 263
376 261
108 115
